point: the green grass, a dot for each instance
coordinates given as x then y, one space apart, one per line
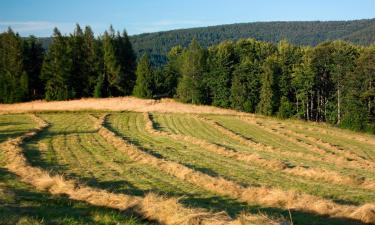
71 146
260 135
14 125
20 203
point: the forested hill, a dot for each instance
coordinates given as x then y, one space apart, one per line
300 33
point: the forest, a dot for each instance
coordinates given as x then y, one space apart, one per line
331 82
311 33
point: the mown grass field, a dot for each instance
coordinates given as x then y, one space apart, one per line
288 156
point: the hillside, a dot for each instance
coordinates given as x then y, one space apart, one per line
301 33
134 161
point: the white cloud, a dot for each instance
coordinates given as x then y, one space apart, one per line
36 27
163 25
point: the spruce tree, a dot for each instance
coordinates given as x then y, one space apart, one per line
13 77
191 86
33 54
144 84
222 59
245 86
269 96
57 69
93 61
112 68
127 61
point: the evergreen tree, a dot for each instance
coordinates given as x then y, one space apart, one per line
119 63
93 61
127 61
33 54
245 86
191 87
57 69
269 94
144 84
78 76
112 68
13 77
221 63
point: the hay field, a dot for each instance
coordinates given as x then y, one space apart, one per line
132 161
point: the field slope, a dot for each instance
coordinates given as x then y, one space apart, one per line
133 161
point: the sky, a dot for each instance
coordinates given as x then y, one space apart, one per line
39 17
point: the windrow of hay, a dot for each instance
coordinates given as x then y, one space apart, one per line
259 195
153 207
263 147
276 165
242 156
291 136
333 131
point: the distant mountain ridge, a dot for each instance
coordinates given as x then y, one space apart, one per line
157 44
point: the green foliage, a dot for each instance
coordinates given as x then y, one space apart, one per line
298 33
221 61
119 63
269 96
144 84
56 69
245 86
13 77
33 54
286 109
190 89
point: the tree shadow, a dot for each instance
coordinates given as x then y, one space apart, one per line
51 209
215 203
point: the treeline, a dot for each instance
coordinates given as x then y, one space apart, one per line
311 33
332 82
77 65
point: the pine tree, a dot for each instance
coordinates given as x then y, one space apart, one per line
144 84
57 69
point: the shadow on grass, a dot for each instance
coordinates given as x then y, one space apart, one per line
214 203
52 209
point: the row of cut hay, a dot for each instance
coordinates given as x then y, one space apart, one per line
276 165
328 175
260 195
242 156
153 207
287 133
333 131
343 162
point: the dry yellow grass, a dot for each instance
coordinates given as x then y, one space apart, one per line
260 195
153 207
114 104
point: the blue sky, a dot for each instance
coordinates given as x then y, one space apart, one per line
38 17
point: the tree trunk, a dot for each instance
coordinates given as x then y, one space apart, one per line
338 105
